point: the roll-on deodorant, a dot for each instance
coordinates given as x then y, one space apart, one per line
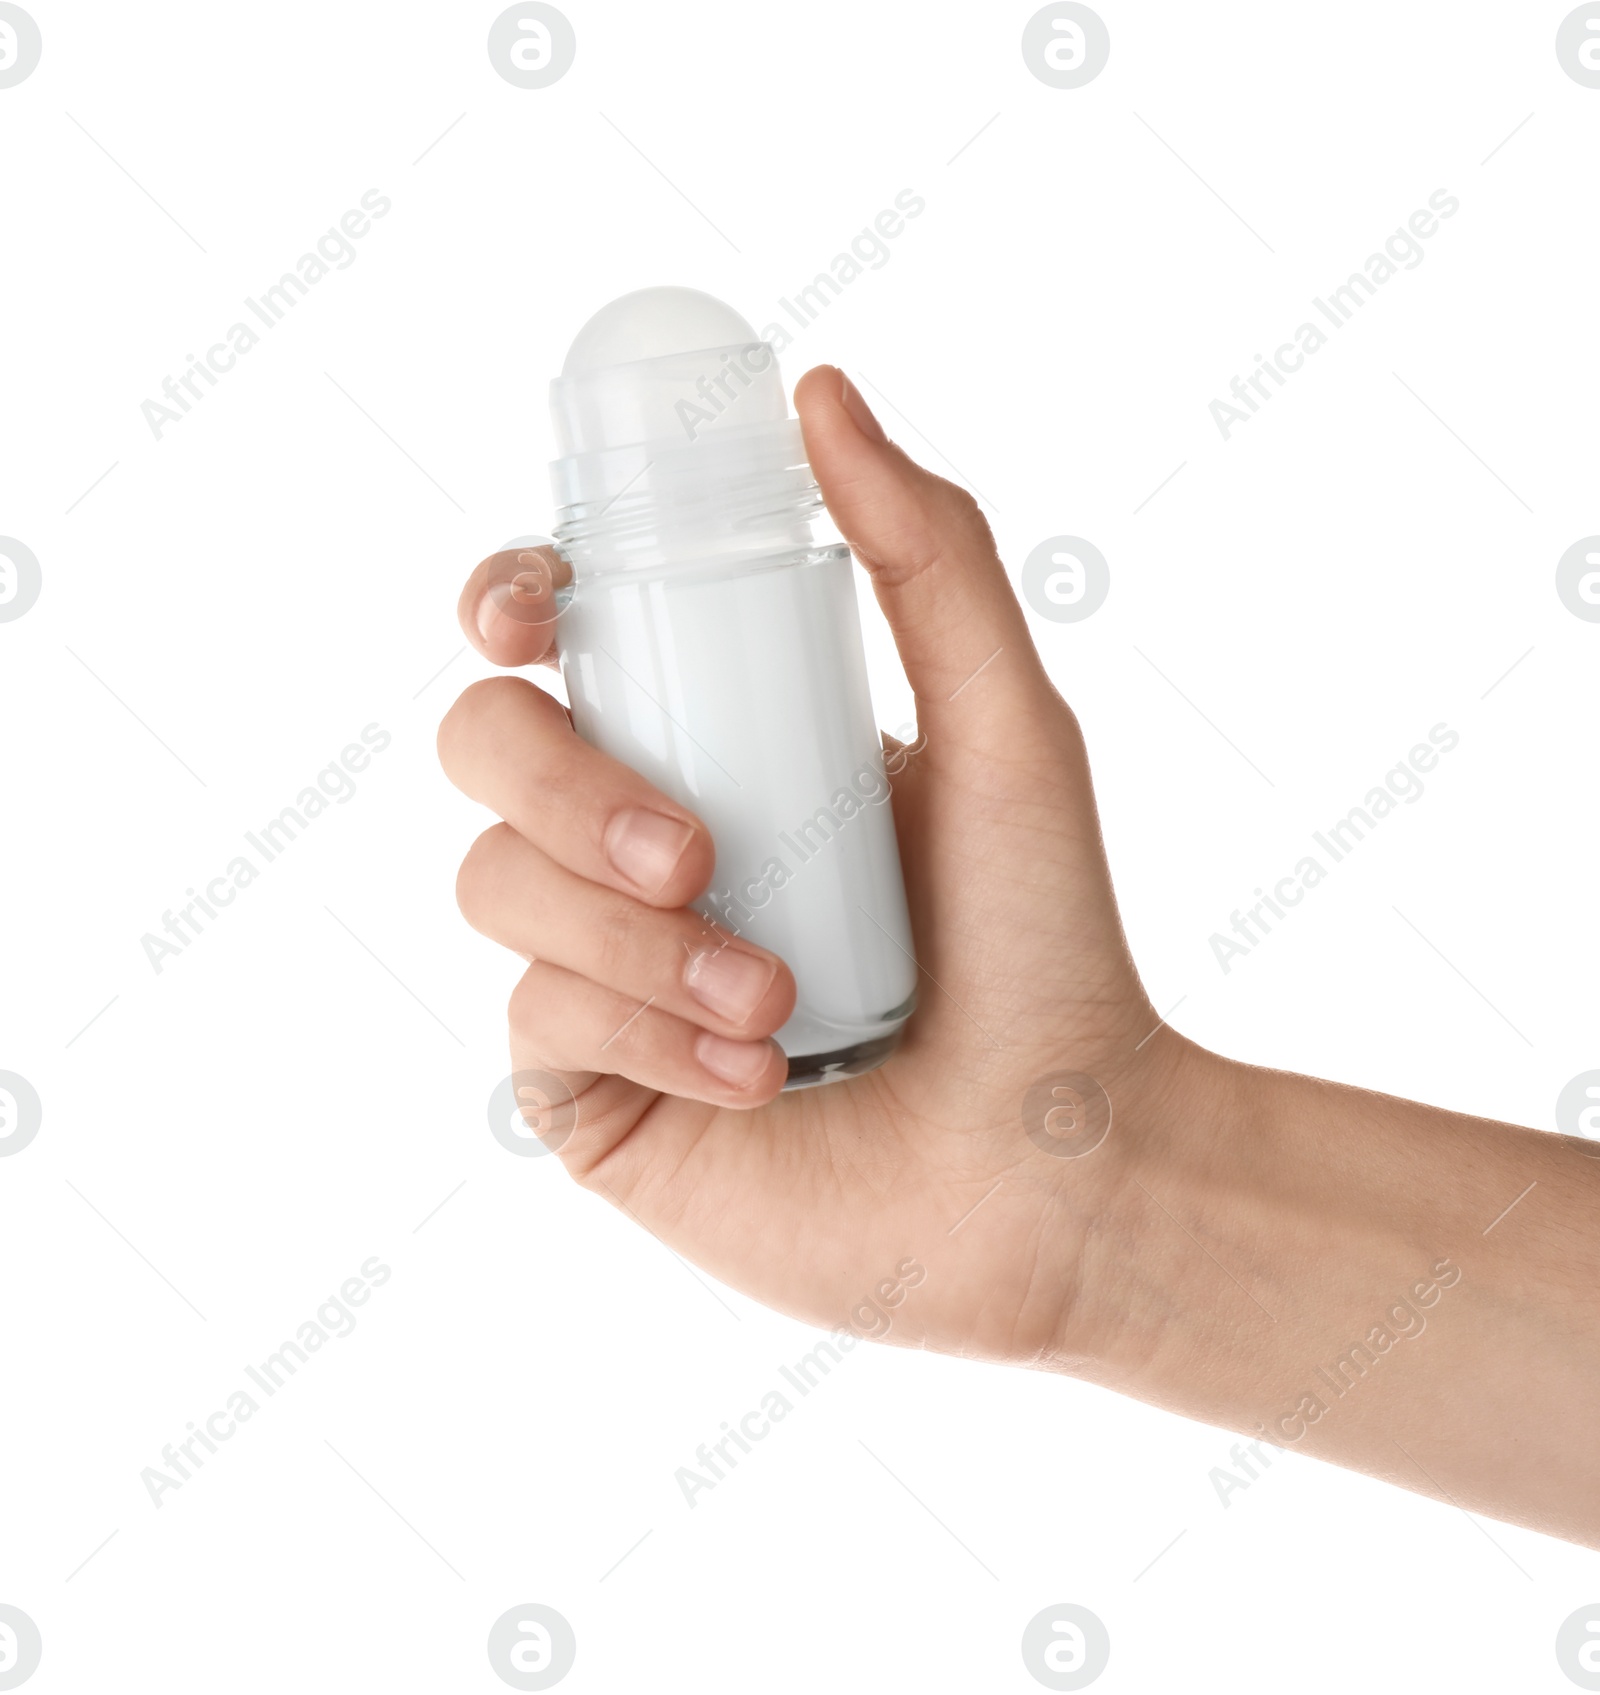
707 641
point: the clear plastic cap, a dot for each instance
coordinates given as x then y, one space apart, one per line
669 409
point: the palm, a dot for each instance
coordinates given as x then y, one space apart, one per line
810 1202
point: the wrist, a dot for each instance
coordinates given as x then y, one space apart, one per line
1148 1206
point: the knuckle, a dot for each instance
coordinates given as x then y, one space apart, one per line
528 1019
522 1008
484 701
478 881
620 941
961 506
1065 729
465 720
446 743
956 525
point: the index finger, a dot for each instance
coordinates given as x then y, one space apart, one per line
508 608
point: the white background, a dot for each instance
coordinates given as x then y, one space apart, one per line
277 1105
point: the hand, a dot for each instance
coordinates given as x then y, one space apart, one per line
1383 1284
812 1200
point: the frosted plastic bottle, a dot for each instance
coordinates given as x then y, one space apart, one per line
709 643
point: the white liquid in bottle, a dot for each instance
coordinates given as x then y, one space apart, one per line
710 644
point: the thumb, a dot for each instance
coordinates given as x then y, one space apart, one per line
962 637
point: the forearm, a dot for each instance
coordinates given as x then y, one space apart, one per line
1407 1291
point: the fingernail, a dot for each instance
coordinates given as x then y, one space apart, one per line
646 847
860 412
526 596
738 1063
730 981
488 617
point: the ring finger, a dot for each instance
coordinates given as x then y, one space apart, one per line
674 959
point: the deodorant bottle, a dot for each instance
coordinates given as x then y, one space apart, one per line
707 641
